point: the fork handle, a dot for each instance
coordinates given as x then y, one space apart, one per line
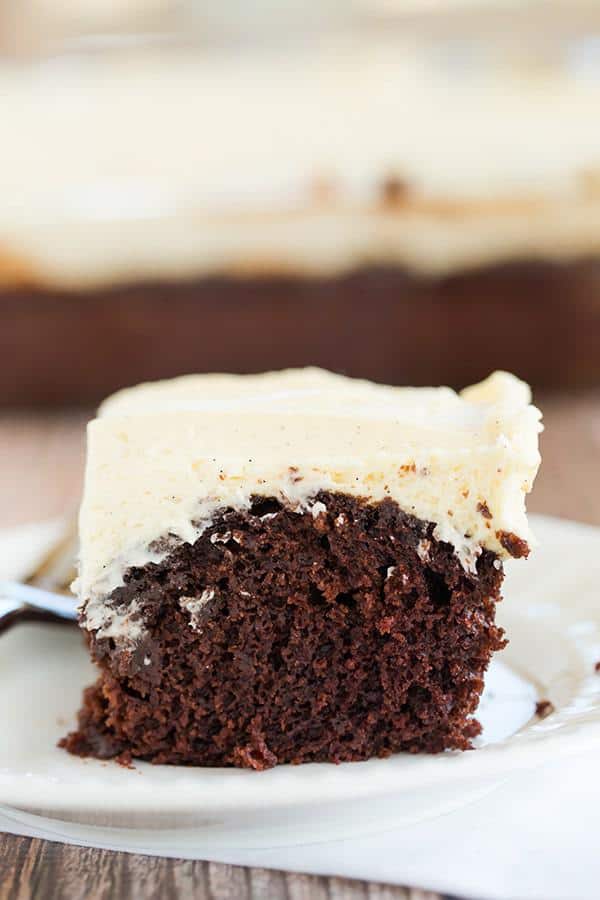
22 603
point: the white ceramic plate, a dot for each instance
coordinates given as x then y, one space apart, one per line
551 613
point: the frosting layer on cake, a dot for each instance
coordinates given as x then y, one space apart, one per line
164 458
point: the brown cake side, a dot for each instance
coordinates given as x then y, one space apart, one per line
390 324
284 637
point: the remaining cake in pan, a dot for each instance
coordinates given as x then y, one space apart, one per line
426 182
297 566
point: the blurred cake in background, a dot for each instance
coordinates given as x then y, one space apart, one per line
403 196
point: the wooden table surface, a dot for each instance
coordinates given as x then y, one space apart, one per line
41 459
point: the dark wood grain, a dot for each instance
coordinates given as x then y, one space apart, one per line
40 870
41 460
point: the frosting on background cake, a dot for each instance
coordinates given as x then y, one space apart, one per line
164 458
308 157
398 195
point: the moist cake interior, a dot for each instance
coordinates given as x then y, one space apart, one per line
338 633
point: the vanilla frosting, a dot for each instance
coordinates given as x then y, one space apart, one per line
180 164
164 458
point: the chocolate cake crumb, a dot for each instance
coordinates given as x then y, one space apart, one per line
394 191
514 545
308 651
544 708
164 544
484 509
597 666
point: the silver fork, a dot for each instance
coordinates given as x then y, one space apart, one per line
22 602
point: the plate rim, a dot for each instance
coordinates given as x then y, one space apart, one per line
184 789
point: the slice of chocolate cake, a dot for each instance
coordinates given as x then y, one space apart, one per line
297 566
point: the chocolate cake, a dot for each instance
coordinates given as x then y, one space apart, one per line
405 199
296 566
